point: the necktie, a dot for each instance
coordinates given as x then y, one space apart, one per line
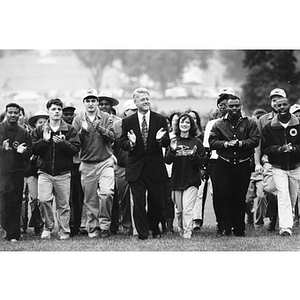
144 131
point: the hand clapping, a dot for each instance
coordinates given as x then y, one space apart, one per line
131 136
160 133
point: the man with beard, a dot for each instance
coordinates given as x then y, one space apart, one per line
15 143
234 137
281 142
262 164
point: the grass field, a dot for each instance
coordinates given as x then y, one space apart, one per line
205 240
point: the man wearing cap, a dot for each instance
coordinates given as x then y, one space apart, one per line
281 142
295 110
96 133
107 103
212 154
15 144
122 195
68 112
55 143
262 164
234 137
143 135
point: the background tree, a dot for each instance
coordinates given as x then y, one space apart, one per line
162 66
96 61
268 69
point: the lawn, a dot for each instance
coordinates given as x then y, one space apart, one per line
205 240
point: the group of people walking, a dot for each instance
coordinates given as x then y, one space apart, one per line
99 174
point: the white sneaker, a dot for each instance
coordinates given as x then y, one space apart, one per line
94 234
46 234
285 232
64 236
187 235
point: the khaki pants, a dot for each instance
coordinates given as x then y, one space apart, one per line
184 204
58 188
98 180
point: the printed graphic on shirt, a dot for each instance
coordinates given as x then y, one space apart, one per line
183 150
293 132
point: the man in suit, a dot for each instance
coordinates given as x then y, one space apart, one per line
144 134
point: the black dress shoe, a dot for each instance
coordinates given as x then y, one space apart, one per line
143 237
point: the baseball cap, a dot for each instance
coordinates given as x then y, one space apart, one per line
226 91
294 108
129 104
277 92
68 105
90 92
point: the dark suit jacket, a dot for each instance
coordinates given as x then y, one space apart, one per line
138 157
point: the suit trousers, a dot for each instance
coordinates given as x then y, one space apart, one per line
150 218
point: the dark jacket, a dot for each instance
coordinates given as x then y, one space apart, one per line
245 131
55 158
138 157
274 135
186 167
120 154
11 160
